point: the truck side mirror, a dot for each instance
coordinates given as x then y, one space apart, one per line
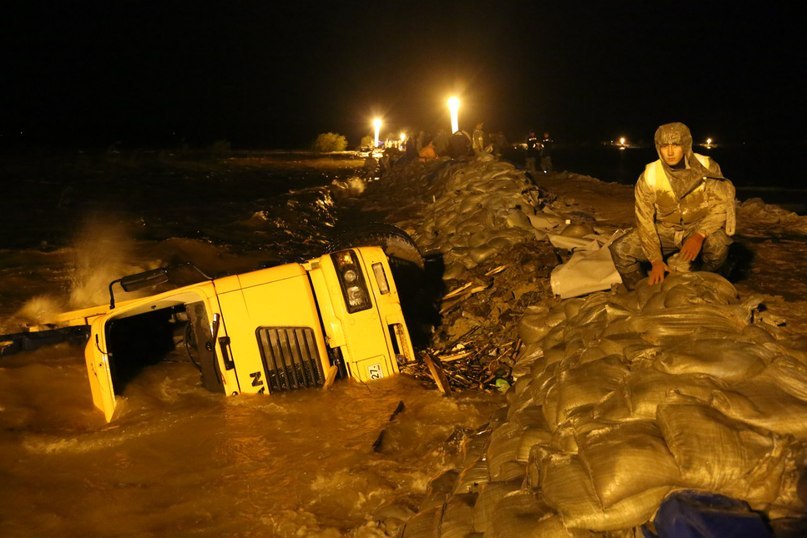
138 281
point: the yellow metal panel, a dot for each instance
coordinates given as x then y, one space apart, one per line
98 372
365 333
285 303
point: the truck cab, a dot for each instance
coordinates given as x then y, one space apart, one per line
272 330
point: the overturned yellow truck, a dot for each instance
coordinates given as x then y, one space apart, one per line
267 331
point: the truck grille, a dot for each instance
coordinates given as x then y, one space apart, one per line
290 357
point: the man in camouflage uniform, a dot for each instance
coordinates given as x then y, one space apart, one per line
684 207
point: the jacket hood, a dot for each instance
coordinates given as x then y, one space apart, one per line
684 179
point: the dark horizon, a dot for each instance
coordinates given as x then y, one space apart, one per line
90 74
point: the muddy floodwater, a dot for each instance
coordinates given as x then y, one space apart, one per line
179 460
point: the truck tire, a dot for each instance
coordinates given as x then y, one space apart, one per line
396 243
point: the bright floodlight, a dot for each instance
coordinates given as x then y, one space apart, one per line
377 126
622 141
453 108
708 141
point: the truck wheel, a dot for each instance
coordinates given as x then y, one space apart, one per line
396 243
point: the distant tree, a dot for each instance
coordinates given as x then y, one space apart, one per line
330 142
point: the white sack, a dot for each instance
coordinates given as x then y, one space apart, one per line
586 272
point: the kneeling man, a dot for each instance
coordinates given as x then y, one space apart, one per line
684 210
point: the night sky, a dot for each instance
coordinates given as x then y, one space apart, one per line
275 74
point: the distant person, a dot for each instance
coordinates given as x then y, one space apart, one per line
479 138
428 152
533 152
410 149
684 210
546 153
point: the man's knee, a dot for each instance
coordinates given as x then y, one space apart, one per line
627 251
715 249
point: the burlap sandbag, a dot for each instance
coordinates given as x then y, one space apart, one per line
457 519
647 388
485 506
569 490
764 403
719 454
626 459
585 384
726 359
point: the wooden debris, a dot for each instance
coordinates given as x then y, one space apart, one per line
437 374
497 270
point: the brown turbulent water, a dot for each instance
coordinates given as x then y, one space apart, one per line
181 461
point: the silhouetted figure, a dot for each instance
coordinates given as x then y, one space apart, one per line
546 153
533 152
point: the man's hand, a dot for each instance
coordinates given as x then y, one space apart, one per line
692 247
656 275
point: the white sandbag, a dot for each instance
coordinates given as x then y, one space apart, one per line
424 524
533 325
671 324
531 437
717 453
626 459
503 449
585 272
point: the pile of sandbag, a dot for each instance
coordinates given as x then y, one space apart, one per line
471 212
622 398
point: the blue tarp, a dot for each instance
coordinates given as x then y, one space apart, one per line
696 514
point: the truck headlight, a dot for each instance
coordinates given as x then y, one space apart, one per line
351 280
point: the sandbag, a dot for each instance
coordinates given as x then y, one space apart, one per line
722 358
485 506
569 490
647 388
585 384
626 459
717 453
585 272
457 518
518 514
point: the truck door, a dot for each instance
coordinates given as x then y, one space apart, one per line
98 369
